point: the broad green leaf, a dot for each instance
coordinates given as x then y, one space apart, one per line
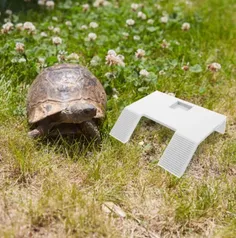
196 68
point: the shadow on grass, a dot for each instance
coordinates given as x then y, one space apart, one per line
72 147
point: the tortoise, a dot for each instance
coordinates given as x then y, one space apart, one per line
65 98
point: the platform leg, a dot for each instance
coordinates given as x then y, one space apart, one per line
177 155
221 128
125 125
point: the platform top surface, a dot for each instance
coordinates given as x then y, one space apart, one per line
188 119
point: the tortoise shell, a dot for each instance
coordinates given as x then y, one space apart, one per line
64 85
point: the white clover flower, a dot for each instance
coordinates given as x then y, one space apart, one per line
150 21
19 26
41 2
185 26
73 57
142 15
56 40
56 30
113 59
130 22
140 53
136 37
165 44
50 28
85 7
125 34
20 47
98 3
21 60
92 36
164 19
214 67
111 52
143 73
7 27
68 23
8 12
135 6
93 24
101 3
29 26
43 34
139 15
50 4
61 56
83 27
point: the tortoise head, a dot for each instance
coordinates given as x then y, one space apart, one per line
78 113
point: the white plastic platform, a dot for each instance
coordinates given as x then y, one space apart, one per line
192 124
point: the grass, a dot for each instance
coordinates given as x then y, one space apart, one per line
59 188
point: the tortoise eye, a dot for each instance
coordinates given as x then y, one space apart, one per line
89 110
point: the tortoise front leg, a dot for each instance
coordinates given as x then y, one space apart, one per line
35 133
90 129
41 130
